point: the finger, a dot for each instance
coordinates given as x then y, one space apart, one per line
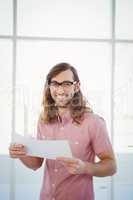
17 151
16 156
14 145
72 170
13 155
71 165
68 160
18 147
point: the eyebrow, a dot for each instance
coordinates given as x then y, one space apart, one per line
62 81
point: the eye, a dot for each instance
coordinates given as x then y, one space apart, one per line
54 84
67 84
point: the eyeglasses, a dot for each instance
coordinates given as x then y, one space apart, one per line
64 84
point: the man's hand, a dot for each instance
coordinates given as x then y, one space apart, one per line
74 165
17 150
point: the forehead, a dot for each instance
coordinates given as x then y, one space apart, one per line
65 75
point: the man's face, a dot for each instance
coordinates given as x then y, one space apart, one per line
62 94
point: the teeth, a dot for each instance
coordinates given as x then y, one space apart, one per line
61 97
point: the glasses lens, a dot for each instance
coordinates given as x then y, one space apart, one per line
67 84
64 84
54 84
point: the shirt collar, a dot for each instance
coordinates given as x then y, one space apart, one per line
65 117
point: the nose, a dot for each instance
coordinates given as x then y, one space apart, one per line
60 89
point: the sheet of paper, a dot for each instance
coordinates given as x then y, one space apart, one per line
44 148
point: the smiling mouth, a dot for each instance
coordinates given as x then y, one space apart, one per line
61 97
62 100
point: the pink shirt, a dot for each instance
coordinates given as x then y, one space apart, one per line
86 141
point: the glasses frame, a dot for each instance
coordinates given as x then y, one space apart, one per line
57 84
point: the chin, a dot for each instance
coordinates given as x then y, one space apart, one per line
62 104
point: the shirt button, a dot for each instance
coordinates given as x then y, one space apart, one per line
62 128
56 170
76 142
53 184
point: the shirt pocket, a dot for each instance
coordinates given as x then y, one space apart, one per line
79 143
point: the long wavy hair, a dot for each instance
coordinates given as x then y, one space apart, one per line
78 104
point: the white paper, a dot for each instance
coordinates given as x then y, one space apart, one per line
44 148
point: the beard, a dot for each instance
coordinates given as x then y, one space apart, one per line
62 102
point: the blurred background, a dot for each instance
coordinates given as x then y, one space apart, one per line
96 37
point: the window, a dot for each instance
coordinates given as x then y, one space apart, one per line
94 36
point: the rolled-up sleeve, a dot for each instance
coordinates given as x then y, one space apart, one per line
100 138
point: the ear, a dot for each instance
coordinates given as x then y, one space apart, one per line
77 87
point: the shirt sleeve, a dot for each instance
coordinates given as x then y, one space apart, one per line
100 138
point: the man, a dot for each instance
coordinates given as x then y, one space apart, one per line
66 116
